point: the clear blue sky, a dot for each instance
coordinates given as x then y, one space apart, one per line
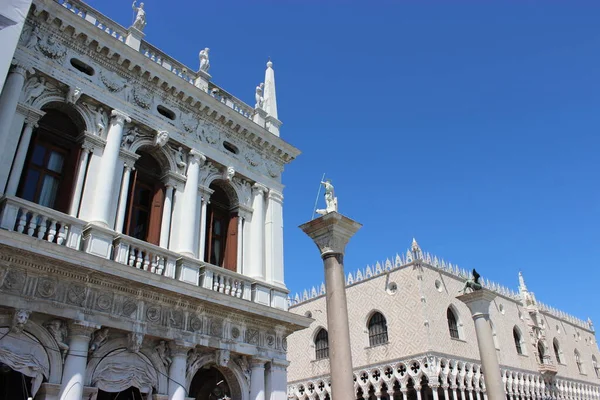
473 126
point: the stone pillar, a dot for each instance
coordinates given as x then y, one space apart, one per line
274 239
108 167
165 224
478 302
124 195
19 160
240 243
331 233
81 172
177 369
278 380
205 199
76 360
257 262
10 98
418 389
188 219
445 387
257 379
434 389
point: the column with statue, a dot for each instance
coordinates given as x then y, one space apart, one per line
331 232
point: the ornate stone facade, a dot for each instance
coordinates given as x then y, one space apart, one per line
423 357
101 292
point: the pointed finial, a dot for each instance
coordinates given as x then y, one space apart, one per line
415 245
522 285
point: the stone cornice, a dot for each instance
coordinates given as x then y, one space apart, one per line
32 115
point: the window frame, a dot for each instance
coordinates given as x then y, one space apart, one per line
518 339
453 325
378 329
321 342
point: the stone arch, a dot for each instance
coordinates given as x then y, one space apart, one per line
459 322
119 349
43 337
229 189
162 155
237 381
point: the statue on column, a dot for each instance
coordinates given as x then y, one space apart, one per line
140 16
472 284
204 61
331 203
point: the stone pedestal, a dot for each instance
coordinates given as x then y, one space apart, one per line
478 302
202 80
331 233
134 38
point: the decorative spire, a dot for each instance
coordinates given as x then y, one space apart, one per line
522 286
416 250
270 100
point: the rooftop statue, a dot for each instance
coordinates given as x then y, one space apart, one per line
259 96
140 16
330 199
204 61
472 284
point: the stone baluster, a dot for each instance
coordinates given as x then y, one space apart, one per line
108 167
81 172
123 196
257 379
177 369
188 218
76 360
19 160
165 224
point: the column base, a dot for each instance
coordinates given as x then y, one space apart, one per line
48 391
187 271
261 294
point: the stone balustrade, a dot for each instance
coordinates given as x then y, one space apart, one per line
226 282
167 62
142 255
230 101
33 220
93 17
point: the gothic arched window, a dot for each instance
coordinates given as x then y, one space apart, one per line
578 362
322 345
595 366
518 340
378 333
541 352
452 324
557 351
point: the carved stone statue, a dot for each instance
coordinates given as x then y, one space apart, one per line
204 61
472 284
101 121
242 362
58 330
130 137
259 96
20 318
162 137
180 159
193 356
34 38
135 341
330 199
98 339
34 89
140 16
163 353
73 94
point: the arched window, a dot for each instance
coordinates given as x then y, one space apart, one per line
518 340
557 351
221 229
541 351
322 345
378 333
578 362
452 324
48 174
595 366
146 200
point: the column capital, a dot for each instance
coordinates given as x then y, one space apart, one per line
21 67
259 189
180 347
205 192
279 364
197 157
331 232
82 328
256 362
275 195
120 117
478 302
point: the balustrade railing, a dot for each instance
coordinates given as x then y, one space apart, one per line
33 220
224 281
170 64
230 101
95 18
145 256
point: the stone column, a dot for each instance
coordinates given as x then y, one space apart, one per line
10 98
434 389
19 160
240 243
256 266
445 387
418 389
81 171
76 360
124 195
108 167
331 233
205 199
165 224
257 379
454 394
177 369
478 302
274 238
278 379
188 218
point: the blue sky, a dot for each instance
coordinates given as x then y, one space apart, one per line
473 126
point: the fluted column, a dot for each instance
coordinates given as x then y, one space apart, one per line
257 379
10 98
278 378
165 224
274 238
81 172
108 168
177 369
205 199
124 195
478 302
257 263
76 360
188 218
19 160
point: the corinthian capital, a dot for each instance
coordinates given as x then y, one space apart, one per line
197 157
119 117
21 68
257 188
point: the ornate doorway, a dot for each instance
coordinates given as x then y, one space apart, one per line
209 384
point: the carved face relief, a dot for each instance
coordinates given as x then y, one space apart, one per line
153 314
20 318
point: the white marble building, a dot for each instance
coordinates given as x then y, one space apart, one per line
411 339
141 250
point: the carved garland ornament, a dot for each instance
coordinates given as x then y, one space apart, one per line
142 97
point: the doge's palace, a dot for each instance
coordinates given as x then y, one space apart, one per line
141 240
